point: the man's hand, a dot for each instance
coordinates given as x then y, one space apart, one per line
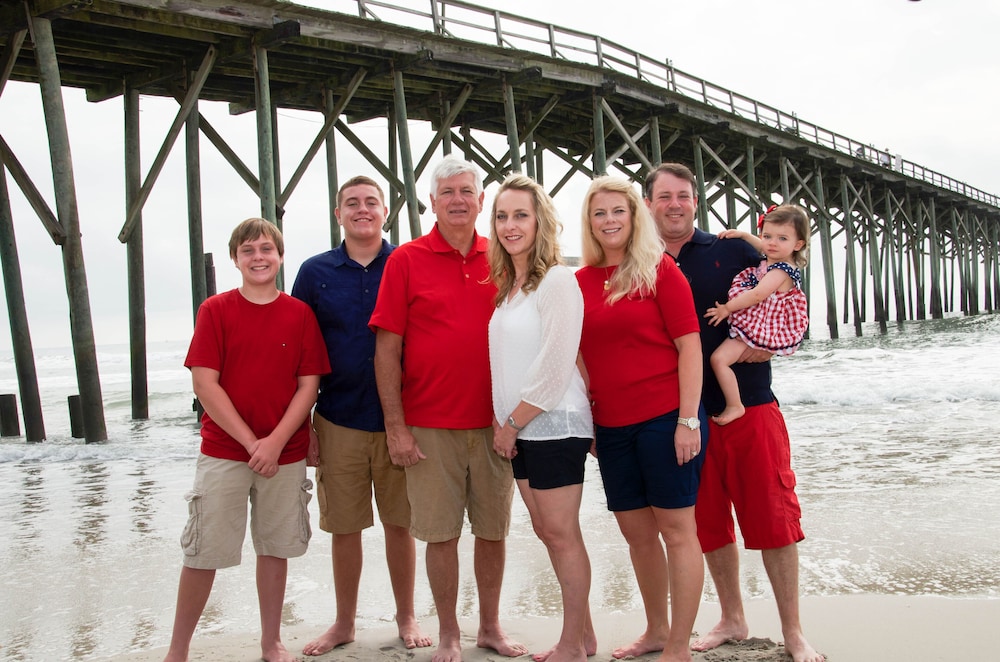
403 449
312 455
753 355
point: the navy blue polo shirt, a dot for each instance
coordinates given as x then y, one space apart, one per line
342 293
710 264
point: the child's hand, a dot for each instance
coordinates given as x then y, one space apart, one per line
732 234
264 458
717 313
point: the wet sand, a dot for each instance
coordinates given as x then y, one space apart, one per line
847 628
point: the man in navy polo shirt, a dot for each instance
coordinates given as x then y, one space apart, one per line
349 447
748 461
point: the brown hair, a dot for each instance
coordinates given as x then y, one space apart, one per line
360 180
250 230
678 170
796 217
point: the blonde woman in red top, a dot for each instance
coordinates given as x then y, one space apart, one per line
642 350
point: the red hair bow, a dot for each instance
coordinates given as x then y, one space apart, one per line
760 219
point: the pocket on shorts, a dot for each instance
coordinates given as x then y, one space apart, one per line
787 477
305 494
191 536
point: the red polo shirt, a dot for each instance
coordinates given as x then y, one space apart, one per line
440 302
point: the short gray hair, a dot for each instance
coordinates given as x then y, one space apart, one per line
452 165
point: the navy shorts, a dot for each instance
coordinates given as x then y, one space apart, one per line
550 464
639 465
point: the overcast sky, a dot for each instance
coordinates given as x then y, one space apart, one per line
917 78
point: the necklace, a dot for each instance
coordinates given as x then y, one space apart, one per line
607 280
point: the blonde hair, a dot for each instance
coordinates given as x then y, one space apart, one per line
636 275
544 253
799 220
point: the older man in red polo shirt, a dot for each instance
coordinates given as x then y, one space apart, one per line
435 301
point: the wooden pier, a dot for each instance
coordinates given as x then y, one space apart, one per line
570 105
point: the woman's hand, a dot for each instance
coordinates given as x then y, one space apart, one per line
504 441
687 444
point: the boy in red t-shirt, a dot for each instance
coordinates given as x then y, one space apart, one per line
256 358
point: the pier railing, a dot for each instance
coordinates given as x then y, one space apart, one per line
462 20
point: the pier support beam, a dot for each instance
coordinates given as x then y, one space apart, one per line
24 358
196 239
402 130
600 150
135 267
332 180
81 324
826 247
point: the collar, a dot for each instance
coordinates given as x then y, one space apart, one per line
340 257
438 243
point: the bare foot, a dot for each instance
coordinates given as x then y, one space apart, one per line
409 632
801 651
589 647
176 656
647 643
335 636
560 654
720 634
276 652
730 414
498 640
682 654
449 649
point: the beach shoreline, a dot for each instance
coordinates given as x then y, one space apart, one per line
845 628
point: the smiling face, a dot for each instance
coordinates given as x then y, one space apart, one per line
515 223
361 212
457 203
672 203
258 261
611 223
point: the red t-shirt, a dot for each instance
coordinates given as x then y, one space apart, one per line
260 352
440 302
628 347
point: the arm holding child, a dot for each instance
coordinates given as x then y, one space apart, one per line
751 239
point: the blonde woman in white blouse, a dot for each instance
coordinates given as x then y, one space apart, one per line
540 402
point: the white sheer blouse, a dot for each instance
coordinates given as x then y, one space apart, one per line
534 340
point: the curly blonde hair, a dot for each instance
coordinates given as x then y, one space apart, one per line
545 252
636 275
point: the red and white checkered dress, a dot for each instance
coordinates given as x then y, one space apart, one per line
778 323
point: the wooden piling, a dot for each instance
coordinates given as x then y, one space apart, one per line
134 259
81 324
9 425
24 357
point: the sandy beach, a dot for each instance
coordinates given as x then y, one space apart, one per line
847 628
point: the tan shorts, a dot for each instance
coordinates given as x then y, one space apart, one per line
461 471
217 513
351 462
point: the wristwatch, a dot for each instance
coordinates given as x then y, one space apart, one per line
691 423
511 422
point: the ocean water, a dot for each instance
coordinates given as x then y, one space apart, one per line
893 442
